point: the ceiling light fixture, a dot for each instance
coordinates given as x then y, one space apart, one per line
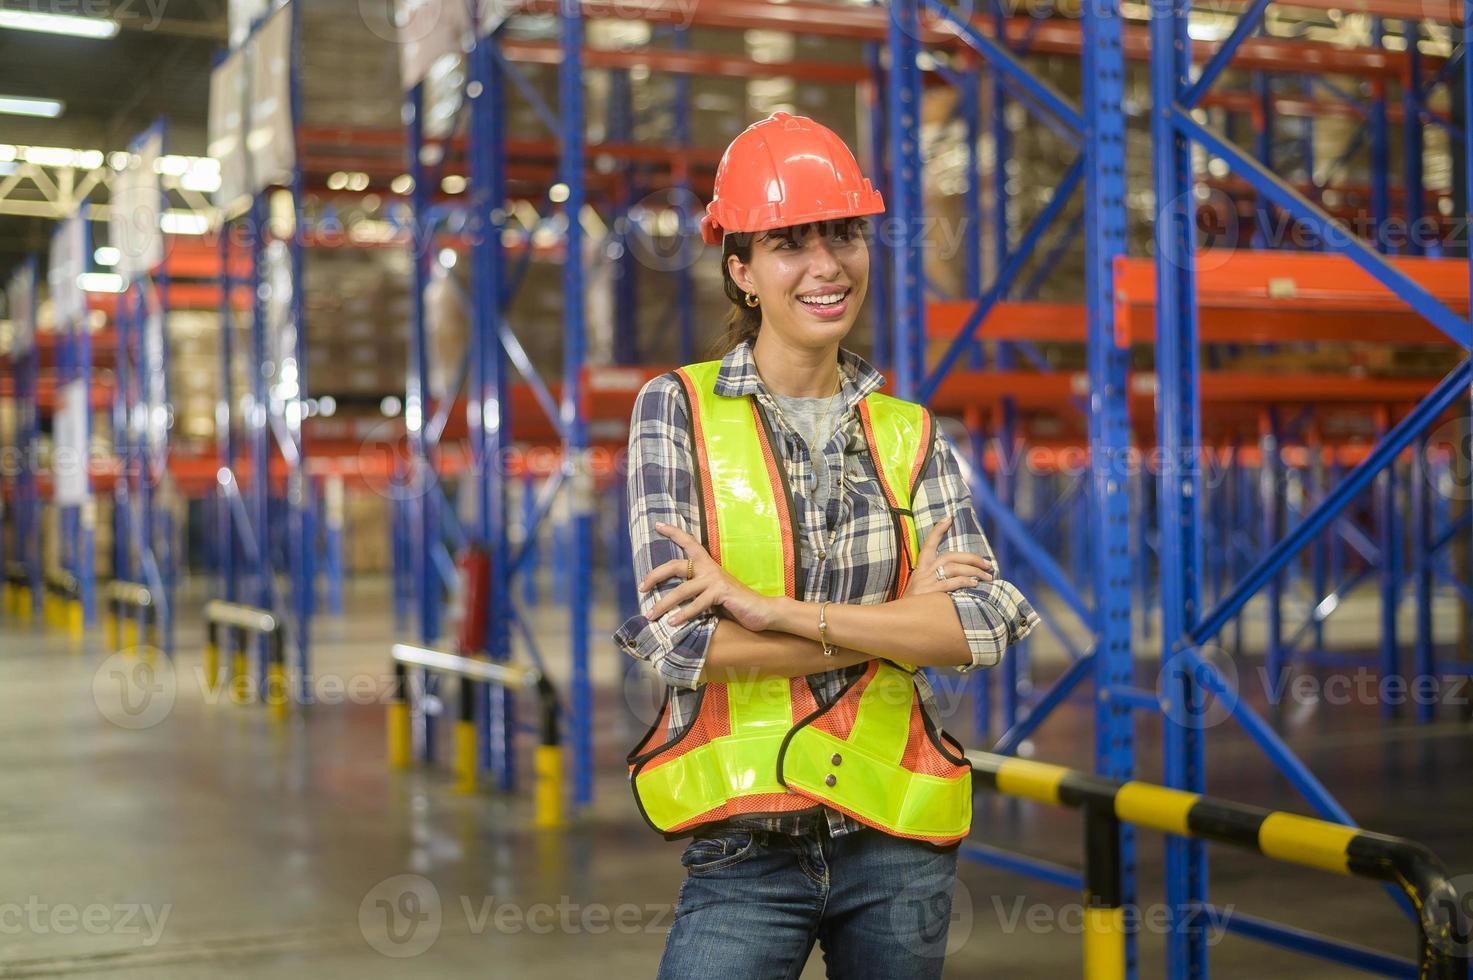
20 105
70 25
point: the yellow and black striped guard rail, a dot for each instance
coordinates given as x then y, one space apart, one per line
471 671
228 629
1282 836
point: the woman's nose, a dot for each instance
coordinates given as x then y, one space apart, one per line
821 258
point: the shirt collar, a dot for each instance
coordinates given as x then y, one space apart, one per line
738 376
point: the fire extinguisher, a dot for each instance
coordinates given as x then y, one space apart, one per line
475 574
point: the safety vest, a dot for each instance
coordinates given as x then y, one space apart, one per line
765 746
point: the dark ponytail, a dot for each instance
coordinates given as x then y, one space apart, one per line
742 321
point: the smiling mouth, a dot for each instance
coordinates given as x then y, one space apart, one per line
824 299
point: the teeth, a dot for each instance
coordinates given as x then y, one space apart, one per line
824 300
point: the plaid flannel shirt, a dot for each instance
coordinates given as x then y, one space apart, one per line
857 568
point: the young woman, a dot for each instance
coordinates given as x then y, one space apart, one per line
804 544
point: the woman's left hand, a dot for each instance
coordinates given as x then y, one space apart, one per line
710 585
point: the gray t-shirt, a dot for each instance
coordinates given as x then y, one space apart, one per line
806 415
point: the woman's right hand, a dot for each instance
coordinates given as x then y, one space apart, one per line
963 569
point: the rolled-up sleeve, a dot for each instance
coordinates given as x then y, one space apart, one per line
662 490
994 615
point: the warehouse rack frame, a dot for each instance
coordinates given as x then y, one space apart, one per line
275 422
143 531
1115 696
493 73
23 500
1185 625
76 522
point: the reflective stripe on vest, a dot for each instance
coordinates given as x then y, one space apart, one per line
763 746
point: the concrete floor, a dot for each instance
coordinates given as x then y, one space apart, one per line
169 837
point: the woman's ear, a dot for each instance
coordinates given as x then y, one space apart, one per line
740 274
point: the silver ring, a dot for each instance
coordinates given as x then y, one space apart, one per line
940 572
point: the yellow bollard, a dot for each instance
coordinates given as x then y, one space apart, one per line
25 609
398 735
239 680
547 765
465 756
75 622
212 666
130 634
1104 943
276 689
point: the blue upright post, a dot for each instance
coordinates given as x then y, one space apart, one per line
1424 667
332 541
401 574
1411 137
1270 490
981 679
1263 149
1335 550
260 454
225 444
489 388
1005 480
424 514
529 539
905 205
575 425
1380 149
1390 572
689 241
122 439
881 261
1179 482
298 491
626 264
970 98
26 368
1104 150
1002 152
1318 555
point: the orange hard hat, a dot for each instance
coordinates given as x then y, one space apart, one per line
786 170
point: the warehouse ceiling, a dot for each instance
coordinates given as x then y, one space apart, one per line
157 65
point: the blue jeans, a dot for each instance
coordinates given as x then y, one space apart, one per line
753 903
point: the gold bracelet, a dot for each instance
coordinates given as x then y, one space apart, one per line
823 630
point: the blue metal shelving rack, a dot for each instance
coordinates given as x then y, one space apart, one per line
1097 128
272 426
142 523
77 522
24 499
1187 623
494 350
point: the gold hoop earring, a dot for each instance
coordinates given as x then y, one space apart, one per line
752 299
